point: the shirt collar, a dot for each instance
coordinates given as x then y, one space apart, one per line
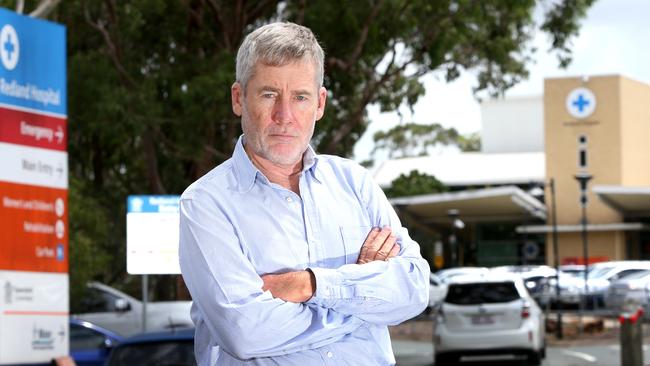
247 172
310 163
244 167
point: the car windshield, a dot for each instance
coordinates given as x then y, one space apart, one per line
598 272
173 353
482 293
573 273
637 275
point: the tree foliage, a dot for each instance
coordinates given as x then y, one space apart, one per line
414 139
413 184
149 82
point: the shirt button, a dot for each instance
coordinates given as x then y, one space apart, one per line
330 354
289 199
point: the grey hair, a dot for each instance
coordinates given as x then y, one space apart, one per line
278 44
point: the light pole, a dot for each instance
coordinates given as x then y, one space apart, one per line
556 263
583 179
456 223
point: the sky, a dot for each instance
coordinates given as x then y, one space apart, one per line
613 39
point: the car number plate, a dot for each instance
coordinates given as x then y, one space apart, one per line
482 319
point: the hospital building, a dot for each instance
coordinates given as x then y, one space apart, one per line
520 196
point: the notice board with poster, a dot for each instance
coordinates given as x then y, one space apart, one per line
34 293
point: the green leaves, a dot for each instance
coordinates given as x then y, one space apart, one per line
149 83
413 184
414 139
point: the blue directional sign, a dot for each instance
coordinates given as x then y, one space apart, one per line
32 63
153 204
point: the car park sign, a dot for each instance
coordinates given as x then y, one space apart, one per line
33 191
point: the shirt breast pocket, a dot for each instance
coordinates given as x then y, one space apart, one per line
353 238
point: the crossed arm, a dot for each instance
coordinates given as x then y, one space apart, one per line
300 286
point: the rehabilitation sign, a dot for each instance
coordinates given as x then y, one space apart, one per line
33 190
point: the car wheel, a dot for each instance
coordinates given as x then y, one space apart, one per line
444 359
535 358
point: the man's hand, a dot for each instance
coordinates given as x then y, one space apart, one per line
379 246
295 287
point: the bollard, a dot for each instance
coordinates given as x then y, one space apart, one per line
632 338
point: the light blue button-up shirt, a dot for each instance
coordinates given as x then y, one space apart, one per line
236 226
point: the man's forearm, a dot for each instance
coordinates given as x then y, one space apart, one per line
298 286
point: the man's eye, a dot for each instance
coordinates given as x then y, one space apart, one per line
301 98
268 95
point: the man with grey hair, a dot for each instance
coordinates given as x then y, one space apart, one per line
293 258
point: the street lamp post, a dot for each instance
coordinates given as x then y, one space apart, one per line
453 243
583 179
556 262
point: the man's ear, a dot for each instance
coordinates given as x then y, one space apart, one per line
237 98
322 100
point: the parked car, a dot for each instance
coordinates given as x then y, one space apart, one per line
488 315
571 285
437 290
537 279
154 349
599 277
633 289
447 275
90 344
114 310
577 270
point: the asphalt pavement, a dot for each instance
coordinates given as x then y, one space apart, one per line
419 353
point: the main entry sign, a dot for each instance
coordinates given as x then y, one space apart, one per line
33 191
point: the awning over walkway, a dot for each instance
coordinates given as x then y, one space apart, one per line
490 204
630 201
617 226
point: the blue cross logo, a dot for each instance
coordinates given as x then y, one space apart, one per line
9 46
581 103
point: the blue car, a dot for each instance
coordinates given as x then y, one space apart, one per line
174 347
90 344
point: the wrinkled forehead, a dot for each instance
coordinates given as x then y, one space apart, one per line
301 68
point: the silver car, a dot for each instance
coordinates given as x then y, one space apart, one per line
633 290
116 311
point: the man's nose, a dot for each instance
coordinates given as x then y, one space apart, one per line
282 112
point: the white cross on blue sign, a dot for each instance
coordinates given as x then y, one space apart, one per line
9 46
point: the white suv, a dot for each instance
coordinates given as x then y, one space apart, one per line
488 315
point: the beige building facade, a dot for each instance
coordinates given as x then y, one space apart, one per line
598 126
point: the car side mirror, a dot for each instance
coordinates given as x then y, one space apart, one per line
108 343
122 305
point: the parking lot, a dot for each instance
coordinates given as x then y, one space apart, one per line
599 348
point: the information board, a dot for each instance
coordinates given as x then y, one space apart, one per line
33 190
152 234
